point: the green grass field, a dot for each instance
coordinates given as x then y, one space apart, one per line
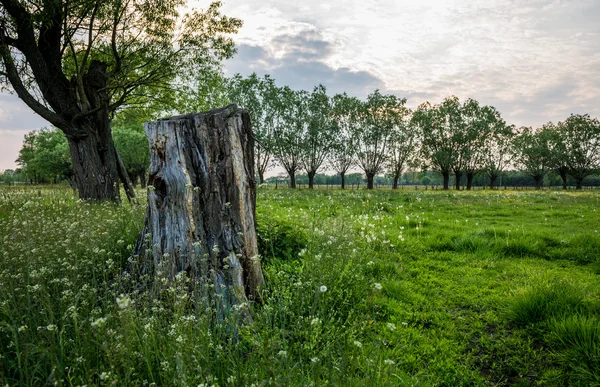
380 288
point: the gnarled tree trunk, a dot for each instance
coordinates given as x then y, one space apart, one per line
97 166
201 205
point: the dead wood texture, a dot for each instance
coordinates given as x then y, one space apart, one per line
201 202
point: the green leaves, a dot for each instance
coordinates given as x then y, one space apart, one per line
532 150
580 139
132 144
374 124
45 156
148 46
462 137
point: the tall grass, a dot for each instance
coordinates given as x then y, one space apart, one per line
381 288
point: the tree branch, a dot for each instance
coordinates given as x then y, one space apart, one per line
13 76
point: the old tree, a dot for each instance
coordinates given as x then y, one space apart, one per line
76 63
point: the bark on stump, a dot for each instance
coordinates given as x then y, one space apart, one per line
201 203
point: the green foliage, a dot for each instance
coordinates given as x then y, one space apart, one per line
374 123
150 48
289 126
320 134
341 156
259 97
132 144
45 157
533 151
578 140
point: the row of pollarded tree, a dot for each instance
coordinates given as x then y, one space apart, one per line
303 131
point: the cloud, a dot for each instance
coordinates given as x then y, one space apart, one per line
298 58
535 60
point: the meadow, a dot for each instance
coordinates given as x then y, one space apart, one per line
381 288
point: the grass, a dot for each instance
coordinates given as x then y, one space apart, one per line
383 288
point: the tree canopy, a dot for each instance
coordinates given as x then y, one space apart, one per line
78 63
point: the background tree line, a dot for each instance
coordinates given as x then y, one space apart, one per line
92 66
310 132
307 132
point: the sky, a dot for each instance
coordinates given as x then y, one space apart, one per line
534 60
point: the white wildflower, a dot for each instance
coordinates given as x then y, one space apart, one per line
123 301
99 323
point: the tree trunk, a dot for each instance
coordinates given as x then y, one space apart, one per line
143 180
261 176
579 184
370 178
396 178
97 166
562 172
201 211
538 182
469 180
94 168
446 176
457 175
311 179
343 176
292 179
493 181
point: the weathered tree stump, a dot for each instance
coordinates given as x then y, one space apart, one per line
201 203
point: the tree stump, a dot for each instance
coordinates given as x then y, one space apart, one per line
201 203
